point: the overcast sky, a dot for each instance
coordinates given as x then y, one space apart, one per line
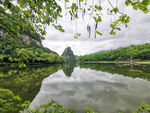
138 32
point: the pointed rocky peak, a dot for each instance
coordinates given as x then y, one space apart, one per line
68 53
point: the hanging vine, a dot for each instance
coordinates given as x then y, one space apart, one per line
19 15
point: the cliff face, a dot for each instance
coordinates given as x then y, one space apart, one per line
68 54
29 39
25 38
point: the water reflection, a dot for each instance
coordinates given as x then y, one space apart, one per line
108 92
134 71
25 82
110 87
68 68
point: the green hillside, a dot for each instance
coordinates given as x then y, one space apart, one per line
141 52
14 50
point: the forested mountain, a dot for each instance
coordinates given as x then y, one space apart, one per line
20 39
68 54
25 49
141 52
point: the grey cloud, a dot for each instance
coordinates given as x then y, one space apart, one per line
136 33
99 87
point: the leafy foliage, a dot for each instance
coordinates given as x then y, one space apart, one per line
52 107
9 102
32 16
28 15
141 5
143 109
95 9
16 51
141 52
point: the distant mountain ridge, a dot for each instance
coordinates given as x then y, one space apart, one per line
104 50
98 52
101 51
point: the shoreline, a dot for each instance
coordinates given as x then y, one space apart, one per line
118 62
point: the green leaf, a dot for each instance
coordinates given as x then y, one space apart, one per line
98 7
99 33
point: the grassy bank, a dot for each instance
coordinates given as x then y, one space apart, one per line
144 62
116 62
102 62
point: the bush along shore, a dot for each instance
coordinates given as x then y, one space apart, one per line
134 54
14 50
119 62
11 103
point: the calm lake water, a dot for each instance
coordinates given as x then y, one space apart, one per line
106 87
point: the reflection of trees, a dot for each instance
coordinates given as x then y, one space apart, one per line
134 71
25 82
69 68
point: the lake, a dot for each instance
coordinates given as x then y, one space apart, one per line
105 87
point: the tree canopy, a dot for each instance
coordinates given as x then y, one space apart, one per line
28 15
141 52
13 50
18 16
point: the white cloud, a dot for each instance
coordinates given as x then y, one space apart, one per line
136 33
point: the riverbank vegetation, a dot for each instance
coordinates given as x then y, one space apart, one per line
10 102
16 51
139 52
20 40
144 62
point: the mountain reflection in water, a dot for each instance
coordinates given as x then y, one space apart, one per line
107 91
